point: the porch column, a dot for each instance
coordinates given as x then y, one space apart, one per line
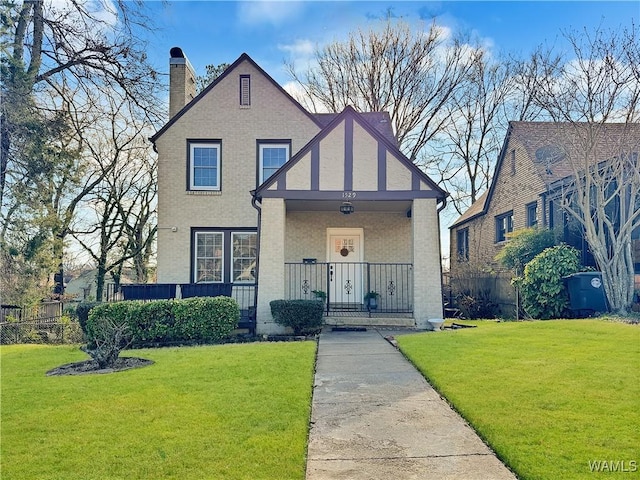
427 277
271 274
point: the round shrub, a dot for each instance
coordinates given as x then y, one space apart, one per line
303 316
544 294
206 319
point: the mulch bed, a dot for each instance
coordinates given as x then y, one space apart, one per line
88 367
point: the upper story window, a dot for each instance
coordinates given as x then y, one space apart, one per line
504 225
245 90
204 166
462 244
271 156
532 214
513 162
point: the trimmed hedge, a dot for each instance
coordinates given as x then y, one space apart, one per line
303 316
191 320
82 312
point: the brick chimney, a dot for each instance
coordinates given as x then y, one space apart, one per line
182 81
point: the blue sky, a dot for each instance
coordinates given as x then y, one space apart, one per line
214 32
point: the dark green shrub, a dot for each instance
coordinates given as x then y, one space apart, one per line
544 294
199 319
206 319
82 313
153 322
303 316
523 246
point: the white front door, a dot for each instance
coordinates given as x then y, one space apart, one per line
344 253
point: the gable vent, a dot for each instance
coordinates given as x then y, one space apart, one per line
245 90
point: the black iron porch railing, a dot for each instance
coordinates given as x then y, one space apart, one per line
353 286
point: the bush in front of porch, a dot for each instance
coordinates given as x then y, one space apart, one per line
303 316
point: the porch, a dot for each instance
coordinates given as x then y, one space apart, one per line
353 289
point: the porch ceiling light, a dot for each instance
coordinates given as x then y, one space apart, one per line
346 208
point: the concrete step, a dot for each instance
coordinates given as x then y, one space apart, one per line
370 322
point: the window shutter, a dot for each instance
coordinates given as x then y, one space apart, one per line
245 90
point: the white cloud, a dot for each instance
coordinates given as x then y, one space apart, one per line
300 48
270 12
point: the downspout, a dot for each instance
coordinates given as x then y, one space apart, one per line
442 207
254 203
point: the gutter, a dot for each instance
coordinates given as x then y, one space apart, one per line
442 207
254 204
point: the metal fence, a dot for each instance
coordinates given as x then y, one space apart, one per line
348 286
41 323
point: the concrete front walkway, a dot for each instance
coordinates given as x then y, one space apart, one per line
375 417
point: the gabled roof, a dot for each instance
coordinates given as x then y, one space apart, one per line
242 58
481 205
548 146
381 121
477 209
347 113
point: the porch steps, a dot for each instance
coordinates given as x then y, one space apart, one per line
365 321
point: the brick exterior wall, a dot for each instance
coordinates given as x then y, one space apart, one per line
272 258
516 185
427 272
387 235
218 115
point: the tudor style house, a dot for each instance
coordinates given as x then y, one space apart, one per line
532 174
260 194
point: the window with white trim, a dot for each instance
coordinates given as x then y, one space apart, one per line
271 157
243 256
204 166
209 257
227 255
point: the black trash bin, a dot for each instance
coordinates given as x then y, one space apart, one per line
586 293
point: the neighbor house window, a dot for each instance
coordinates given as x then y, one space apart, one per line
504 225
463 244
224 255
243 256
513 162
271 156
245 90
204 166
532 214
209 257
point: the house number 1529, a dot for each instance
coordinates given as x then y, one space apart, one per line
349 194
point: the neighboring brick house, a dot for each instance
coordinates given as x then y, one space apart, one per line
255 191
530 175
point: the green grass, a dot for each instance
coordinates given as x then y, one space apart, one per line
213 412
548 396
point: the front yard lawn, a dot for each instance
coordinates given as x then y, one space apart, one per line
223 412
554 399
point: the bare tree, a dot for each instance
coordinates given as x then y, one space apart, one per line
63 59
463 154
410 74
588 92
123 202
